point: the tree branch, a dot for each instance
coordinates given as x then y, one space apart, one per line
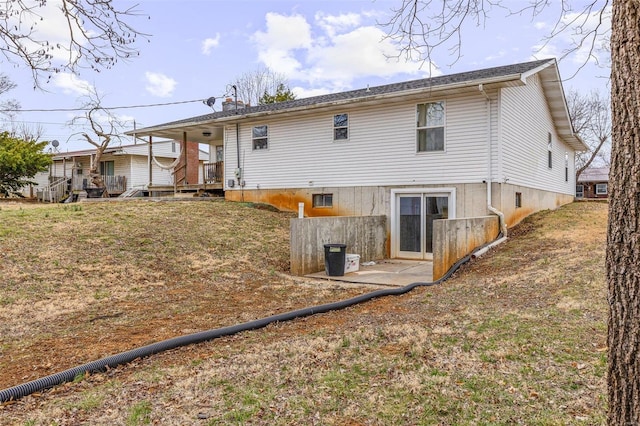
96 35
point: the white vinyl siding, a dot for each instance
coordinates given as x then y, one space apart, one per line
525 125
381 149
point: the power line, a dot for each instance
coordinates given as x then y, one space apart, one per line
87 109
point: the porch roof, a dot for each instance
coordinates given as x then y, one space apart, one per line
209 127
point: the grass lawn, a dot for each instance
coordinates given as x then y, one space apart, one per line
517 336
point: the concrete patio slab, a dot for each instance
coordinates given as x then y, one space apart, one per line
388 272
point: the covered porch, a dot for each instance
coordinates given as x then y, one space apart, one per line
189 174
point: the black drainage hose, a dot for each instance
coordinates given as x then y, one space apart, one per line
20 391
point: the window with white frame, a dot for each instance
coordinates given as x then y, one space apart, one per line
601 189
260 137
566 167
430 126
340 127
580 191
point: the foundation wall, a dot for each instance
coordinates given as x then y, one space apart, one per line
453 239
364 235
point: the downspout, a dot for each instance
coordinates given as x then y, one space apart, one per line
239 166
503 224
150 156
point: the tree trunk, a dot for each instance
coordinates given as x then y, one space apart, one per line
94 171
623 235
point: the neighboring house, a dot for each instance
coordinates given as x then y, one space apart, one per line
493 141
122 168
593 183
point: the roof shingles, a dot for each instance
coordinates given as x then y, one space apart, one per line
443 80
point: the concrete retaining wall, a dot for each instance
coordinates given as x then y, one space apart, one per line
453 239
363 235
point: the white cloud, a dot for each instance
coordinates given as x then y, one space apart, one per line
333 24
283 36
355 54
45 22
285 32
540 25
159 84
500 54
302 92
209 43
331 53
544 51
71 84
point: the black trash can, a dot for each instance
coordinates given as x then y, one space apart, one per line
335 256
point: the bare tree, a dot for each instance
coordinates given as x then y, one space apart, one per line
421 26
89 34
252 86
8 107
27 132
591 118
105 127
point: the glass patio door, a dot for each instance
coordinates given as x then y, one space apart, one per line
415 216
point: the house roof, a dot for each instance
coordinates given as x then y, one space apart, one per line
594 174
208 127
132 149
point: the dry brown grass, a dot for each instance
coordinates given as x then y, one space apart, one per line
516 337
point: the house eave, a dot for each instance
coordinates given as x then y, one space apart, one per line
554 92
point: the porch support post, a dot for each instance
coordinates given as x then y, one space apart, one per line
184 154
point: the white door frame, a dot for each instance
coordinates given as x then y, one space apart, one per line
395 217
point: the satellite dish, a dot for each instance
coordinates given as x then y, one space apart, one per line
210 101
55 143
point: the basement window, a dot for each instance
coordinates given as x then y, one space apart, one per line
260 137
323 200
518 199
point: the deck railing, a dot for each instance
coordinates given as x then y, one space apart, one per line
114 184
213 172
55 191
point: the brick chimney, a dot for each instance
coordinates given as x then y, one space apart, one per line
229 105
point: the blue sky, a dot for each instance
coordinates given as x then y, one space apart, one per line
197 47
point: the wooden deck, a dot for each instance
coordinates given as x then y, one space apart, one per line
206 187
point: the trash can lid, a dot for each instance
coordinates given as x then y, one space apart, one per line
335 245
